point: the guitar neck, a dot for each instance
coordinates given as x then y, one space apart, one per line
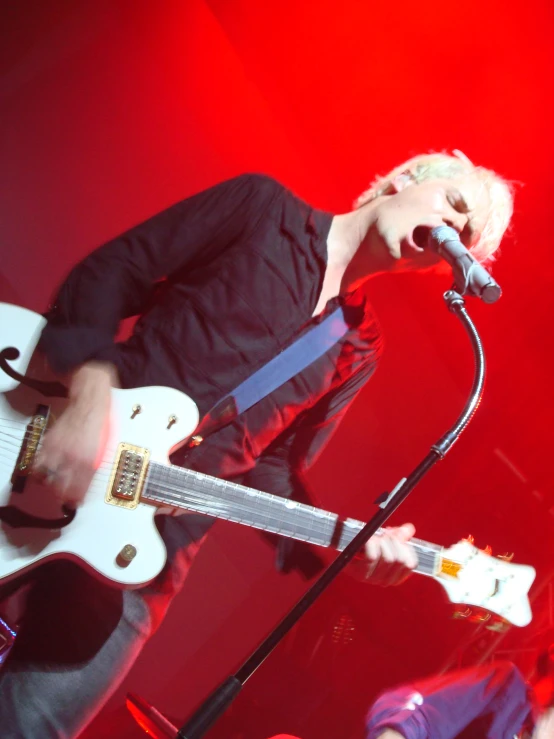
178 487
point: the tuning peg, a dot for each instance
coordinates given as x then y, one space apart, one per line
480 617
487 549
469 539
498 625
462 614
506 557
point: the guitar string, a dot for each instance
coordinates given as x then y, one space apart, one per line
298 512
206 485
98 474
316 531
202 505
14 425
241 509
109 463
209 486
222 506
426 551
177 497
219 505
16 447
313 525
6 443
106 463
205 481
245 508
19 440
239 512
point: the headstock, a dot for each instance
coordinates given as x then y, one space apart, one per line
486 584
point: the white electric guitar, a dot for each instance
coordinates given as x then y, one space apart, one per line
113 532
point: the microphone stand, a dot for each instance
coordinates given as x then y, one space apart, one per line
223 696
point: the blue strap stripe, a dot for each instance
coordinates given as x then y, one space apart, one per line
305 350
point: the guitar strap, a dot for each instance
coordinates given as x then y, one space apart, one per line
296 357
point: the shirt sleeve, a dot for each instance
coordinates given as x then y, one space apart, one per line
488 701
117 280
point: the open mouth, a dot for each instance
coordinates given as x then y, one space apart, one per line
414 243
420 237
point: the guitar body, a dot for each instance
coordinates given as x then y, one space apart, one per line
98 532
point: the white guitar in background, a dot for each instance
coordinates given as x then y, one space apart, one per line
113 532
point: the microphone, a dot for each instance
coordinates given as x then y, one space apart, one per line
470 277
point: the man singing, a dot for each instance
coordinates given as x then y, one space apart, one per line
223 282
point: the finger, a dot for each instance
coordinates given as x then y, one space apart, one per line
44 461
65 490
383 546
406 554
398 547
45 473
403 533
72 486
373 549
387 547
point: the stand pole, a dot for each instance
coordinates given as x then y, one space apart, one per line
222 697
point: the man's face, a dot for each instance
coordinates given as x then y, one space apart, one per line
405 217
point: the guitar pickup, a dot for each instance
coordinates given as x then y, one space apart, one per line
128 475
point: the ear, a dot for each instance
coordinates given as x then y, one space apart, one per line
401 181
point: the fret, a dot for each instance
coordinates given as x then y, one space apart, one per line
429 557
179 487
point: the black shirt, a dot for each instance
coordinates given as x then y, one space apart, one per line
224 281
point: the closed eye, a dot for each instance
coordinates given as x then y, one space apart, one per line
457 201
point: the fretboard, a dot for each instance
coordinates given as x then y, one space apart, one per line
178 487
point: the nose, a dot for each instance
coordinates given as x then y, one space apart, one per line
458 221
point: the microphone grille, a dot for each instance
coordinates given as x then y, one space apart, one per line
442 234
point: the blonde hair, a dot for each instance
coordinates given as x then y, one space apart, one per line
446 166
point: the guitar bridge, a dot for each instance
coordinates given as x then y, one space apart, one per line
128 475
33 436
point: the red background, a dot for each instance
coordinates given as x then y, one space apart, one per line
112 110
